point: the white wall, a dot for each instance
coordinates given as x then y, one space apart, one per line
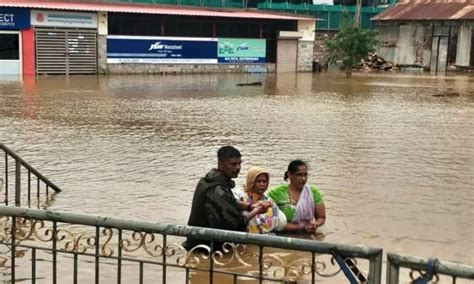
102 26
307 28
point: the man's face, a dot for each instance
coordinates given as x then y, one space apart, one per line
230 167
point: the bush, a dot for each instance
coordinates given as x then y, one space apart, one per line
351 44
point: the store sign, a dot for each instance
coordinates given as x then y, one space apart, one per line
143 49
14 18
63 19
234 50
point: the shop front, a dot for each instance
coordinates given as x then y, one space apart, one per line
12 22
66 42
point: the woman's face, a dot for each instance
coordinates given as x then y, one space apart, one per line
261 184
300 177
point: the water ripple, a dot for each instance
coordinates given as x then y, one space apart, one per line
395 163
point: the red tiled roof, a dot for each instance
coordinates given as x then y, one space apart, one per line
150 9
420 10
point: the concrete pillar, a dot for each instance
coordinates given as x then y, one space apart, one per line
103 30
463 51
306 45
102 54
305 56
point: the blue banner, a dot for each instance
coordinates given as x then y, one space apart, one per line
137 49
14 18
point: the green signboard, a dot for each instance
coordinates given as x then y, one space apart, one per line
238 50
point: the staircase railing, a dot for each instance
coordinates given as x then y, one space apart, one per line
14 185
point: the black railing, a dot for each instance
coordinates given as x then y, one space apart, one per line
73 248
20 181
59 247
421 270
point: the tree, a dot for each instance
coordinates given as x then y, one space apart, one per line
351 44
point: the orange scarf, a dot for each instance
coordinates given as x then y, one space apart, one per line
252 175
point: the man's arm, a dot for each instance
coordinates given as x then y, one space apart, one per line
242 205
222 210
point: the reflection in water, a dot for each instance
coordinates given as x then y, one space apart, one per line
395 162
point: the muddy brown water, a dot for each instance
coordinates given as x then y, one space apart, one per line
393 154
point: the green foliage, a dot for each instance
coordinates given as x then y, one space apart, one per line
351 44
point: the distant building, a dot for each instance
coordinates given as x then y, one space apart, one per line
433 35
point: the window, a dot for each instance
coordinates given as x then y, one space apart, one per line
9 47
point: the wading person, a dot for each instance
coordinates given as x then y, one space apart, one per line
272 219
301 203
214 205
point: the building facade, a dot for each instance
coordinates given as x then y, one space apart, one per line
109 38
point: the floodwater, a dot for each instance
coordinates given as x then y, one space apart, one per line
393 154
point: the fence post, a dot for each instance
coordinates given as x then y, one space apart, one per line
375 268
392 270
17 183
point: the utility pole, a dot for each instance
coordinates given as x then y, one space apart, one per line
357 13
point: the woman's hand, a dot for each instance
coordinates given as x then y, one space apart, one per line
265 204
311 226
261 209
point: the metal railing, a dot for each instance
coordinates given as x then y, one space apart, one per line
34 184
55 247
118 251
419 269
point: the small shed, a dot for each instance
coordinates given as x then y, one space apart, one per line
434 35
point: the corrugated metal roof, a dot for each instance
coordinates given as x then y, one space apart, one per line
150 9
420 10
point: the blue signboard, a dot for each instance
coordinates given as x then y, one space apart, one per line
14 18
141 49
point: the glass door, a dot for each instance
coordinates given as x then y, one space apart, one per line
10 59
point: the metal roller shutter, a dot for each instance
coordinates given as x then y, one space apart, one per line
287 50
66 51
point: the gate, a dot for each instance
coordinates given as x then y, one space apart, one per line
66 51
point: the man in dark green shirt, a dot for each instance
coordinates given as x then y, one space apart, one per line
214 205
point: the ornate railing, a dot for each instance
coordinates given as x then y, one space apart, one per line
421 270
21 182
63 248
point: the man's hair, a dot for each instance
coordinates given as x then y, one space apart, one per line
227 152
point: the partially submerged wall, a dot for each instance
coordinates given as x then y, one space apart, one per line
435 45
321 55
406 45
188 68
